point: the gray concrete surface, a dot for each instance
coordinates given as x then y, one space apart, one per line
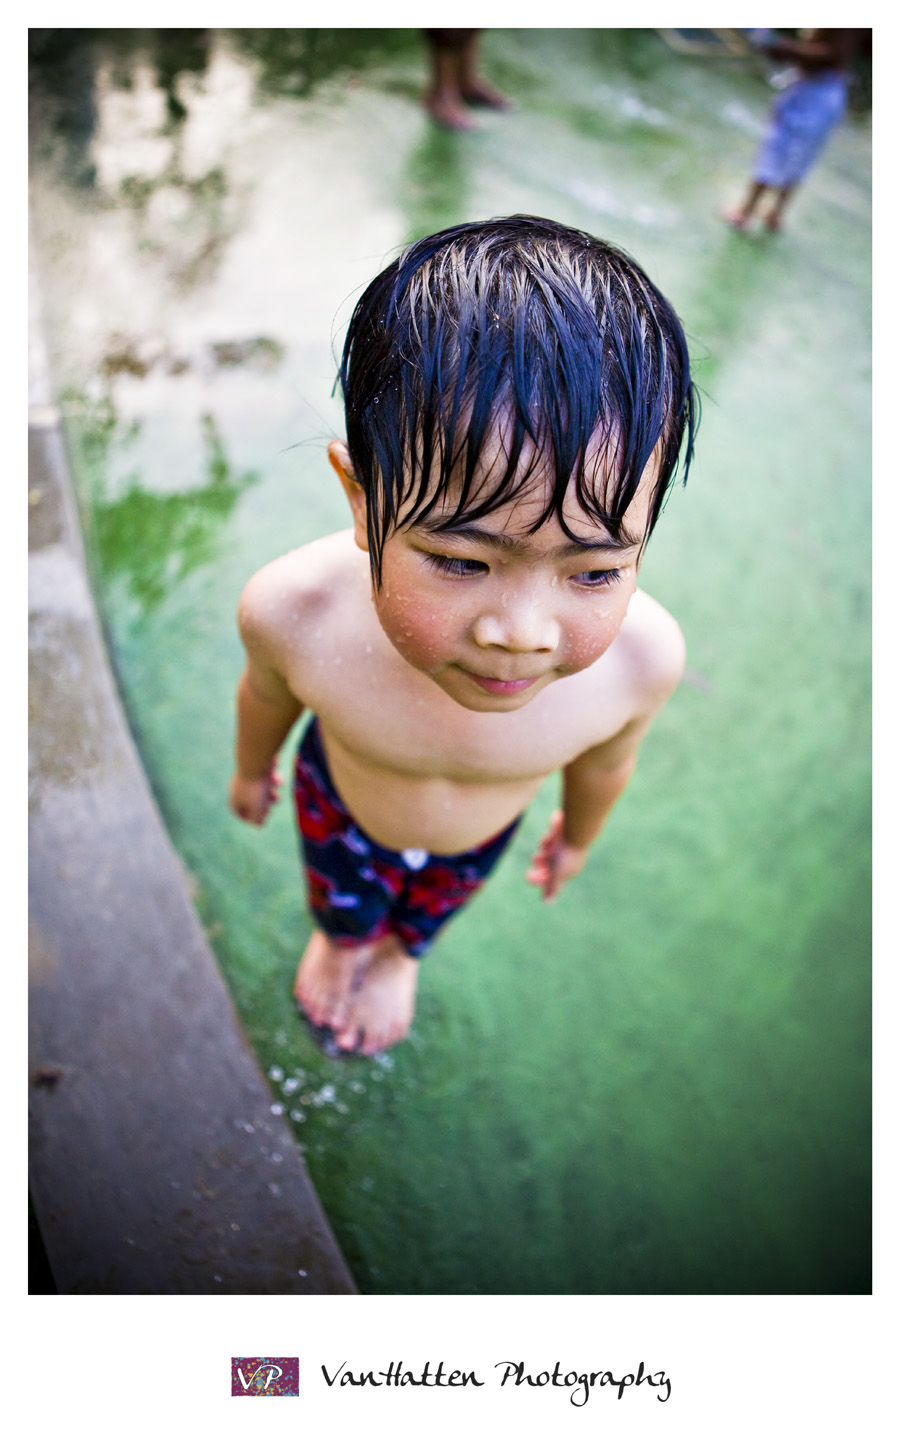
156 1163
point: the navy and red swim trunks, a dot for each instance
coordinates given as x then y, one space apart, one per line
359 891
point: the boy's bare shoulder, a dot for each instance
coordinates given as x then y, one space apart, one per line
651 649
282 598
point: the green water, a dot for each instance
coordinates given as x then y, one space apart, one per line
660 1084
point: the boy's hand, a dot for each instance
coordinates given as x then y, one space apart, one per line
555 862
252 798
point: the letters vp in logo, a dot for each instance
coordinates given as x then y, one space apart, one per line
265 1374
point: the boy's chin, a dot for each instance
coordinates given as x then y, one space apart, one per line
466 692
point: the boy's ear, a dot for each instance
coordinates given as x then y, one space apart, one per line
341 462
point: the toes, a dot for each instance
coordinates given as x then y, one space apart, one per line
349 1040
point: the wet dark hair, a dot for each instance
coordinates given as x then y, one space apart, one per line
546 329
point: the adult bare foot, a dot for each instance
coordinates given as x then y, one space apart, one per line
737 218
479 92
448 111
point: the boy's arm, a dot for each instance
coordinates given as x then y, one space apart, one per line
266 711
593 782
591 786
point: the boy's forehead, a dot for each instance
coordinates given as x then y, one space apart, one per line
530 493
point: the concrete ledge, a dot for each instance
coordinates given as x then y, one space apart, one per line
156 1164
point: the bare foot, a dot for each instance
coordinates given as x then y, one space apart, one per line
448 111
365 995
773 223
737 218
479 92
380 1011
326 978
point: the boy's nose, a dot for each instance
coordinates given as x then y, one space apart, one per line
519 625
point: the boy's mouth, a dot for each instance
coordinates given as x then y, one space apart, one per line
501 688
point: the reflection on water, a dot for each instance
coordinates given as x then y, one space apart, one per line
153 541
296 62
660 1084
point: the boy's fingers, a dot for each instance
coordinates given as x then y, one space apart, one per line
551 884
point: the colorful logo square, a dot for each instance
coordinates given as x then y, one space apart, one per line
265 1374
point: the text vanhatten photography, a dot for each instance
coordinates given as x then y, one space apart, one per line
510 1373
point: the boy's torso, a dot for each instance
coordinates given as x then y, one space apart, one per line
414 767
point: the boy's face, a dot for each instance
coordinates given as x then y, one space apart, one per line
494 613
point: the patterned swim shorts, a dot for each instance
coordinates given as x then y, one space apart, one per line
359 891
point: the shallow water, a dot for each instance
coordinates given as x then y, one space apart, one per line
661 1083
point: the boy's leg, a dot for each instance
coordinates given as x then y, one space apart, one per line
377 910
351 884
365 992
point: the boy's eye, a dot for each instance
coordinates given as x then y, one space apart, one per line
598 578
455 567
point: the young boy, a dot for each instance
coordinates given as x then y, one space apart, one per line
516 397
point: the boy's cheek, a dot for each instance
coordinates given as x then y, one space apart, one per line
584 649
586 643
419 633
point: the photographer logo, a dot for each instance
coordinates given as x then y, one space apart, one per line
265 1375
